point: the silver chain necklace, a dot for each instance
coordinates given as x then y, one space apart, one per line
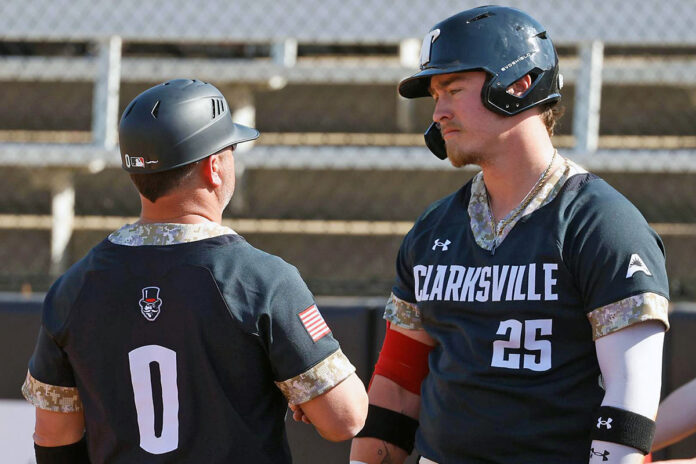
497 228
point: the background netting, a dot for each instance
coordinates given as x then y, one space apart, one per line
340 170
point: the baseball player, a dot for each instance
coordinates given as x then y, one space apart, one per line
174 340
527 319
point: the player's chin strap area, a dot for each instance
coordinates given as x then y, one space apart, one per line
435 142
616 425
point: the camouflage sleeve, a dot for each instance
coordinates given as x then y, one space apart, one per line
402 313
51 397
318 379
627 312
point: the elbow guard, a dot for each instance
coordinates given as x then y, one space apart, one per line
403 360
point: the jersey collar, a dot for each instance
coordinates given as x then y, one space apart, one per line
479 212
166 233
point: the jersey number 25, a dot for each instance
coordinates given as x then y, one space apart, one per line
540 349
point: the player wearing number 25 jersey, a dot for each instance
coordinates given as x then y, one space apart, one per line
516 292
174 340
515 374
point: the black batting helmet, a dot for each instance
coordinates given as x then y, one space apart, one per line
504 42
176 123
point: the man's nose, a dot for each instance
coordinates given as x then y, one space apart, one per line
442 110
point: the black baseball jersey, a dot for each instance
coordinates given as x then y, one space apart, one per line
514 376
181 353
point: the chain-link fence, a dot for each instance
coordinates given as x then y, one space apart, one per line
340 170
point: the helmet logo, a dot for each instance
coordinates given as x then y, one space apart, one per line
427 46
517 60
150 303
137 161
134 161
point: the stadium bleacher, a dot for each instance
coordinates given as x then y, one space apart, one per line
340 170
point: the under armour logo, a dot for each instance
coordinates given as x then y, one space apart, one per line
606 423
636 264
604 455
444 245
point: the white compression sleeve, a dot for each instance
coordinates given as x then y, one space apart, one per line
631 365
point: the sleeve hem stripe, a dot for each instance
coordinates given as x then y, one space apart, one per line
318 379
627 312
51 397
402 313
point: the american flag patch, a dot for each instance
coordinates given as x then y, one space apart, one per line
314 323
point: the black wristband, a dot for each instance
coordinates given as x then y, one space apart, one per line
623 427
68 454
390 426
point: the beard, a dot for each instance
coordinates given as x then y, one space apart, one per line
460 157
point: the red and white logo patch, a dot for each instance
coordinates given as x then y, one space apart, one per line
313 322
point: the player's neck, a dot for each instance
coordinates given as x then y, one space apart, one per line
514 172
179 209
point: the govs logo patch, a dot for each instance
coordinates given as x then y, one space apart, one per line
150 303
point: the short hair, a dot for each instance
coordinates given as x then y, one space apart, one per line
155 185
550 114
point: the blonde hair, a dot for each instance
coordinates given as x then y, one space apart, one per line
550 114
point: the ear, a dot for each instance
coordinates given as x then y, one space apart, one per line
210 169
521 86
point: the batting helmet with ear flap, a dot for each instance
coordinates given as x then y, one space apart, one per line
176 123
504 42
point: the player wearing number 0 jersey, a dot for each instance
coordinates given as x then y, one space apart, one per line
174 340
182 342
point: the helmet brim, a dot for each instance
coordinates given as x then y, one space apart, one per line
245 133
239 134
418 85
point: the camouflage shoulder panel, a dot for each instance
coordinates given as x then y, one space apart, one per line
479 209
627 312
479 215
318 379
51 397
402 313
574 168
166 234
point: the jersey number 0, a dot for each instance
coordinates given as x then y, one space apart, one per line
143 362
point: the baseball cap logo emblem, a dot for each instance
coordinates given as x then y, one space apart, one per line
150 303
134 161
428 46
